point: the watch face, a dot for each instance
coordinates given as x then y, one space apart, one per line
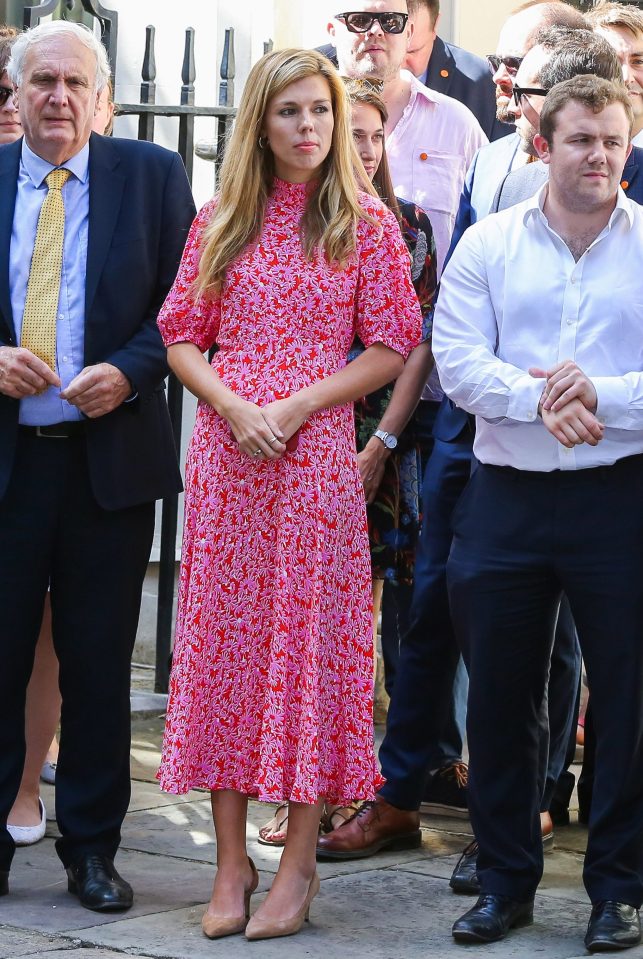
390 442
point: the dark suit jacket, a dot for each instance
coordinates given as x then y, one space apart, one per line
468 79
140 209
520 184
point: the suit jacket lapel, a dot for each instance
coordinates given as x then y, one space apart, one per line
441 63
106 186
631 169
9 168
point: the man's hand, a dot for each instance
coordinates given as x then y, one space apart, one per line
97 390
23 374
573 424
566 382
371 462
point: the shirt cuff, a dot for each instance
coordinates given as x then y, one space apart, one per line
524 399
613 394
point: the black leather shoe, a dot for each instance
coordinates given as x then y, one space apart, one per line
464 878
491 919
4 883
95 881
612 925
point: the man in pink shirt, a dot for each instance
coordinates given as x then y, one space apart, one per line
430 138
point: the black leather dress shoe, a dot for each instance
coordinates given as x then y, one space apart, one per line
4 883
612 925
491 919
464 878
95 881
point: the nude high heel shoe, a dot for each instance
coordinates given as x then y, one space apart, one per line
216 927
272 928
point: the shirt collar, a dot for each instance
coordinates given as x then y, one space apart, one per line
417 87
38 169
534 208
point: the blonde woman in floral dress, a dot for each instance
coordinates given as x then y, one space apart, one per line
271 689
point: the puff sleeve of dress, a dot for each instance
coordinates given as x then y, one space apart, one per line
183 318
387 309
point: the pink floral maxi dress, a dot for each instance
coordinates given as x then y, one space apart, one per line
271 687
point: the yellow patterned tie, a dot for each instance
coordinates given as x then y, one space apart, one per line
43 288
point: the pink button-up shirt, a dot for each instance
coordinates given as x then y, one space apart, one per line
429 153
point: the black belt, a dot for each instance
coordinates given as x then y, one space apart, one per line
56 431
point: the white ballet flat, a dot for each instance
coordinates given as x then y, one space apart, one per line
28 835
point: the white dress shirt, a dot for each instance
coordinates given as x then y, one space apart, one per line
512 297
429 152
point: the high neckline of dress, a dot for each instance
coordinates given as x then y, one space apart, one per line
284 189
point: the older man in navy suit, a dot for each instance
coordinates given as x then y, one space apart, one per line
91 234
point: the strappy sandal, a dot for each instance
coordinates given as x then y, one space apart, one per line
343 813
273 833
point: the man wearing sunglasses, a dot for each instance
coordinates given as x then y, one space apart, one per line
10 128
559 55
430 138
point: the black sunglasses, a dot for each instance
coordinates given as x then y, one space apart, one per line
520 92
511 63
362 22
5 93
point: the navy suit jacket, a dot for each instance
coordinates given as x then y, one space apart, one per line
523 183
466 77
140 210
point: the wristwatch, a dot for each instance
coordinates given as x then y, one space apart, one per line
389 439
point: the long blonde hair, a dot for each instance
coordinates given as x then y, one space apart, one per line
247 172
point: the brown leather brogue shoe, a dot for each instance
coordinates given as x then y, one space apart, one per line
375 826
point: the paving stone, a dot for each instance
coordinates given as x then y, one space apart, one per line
185 831
562 878
39 899
370 915
19 942
78 952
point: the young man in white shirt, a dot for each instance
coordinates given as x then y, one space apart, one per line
529 336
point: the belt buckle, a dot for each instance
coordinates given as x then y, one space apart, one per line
49 436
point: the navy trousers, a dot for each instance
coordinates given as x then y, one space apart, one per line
52 532
425 724
520 540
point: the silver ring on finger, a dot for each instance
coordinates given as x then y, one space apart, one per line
257 452
273 439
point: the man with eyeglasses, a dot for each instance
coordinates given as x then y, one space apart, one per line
430 138
10 128
490 164
559 55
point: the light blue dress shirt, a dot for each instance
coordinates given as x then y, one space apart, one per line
70 325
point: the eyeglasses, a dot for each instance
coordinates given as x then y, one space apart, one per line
5 93
362 22
511 63
520 92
